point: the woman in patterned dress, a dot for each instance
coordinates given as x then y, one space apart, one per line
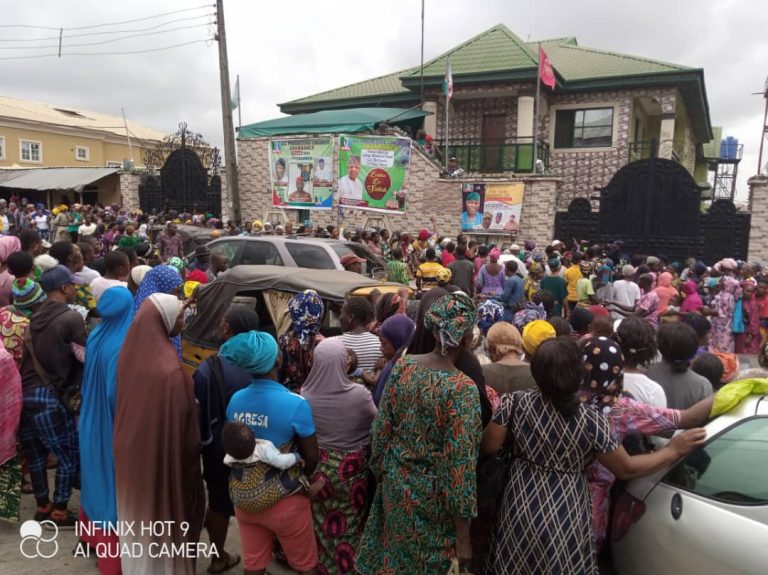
603 389
343 412
544 521
425 443
297 346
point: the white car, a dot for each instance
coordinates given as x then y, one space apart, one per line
708 513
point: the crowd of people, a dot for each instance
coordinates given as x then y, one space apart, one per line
361 452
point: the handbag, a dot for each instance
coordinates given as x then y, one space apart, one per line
493 472
70 395
255 487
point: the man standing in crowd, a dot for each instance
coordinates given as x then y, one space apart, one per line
462 271
625 292
572 276
50 371
513 293
558 287
171 243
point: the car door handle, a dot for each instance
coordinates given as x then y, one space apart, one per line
676 507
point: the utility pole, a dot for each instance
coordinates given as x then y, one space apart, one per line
233 188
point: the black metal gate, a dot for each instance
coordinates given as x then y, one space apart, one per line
184 184
654 207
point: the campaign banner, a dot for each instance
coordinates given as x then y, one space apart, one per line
491 208
302 173
373 173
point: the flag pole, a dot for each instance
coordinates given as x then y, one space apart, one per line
536 109
448 81
239 107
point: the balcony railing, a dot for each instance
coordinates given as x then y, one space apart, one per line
646 149
513 155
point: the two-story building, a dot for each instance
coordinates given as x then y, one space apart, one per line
606 110
45 147
36 134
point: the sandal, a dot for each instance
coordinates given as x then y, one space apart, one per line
230 560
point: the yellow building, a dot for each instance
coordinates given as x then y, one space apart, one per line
36 134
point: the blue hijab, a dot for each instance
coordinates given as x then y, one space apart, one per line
398 330
160 279
97 415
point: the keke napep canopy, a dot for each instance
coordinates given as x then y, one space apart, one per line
215 298
331 122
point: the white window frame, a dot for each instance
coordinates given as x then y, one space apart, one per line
114 164
87 157
553 109
40 151
2 148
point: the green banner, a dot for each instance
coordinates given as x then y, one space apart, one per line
302 173
373 173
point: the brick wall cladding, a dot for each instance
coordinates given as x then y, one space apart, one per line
582 172
758 233
428 196
129 190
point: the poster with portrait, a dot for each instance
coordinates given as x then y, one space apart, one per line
301 172
373 173
491 208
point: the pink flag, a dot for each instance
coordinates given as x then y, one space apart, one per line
546 73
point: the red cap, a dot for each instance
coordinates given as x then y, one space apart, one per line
350 259
424 235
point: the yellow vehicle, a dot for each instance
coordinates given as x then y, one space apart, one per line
268 289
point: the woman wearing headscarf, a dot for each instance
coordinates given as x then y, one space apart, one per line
160 280
157 439
96 424
532 283
665 291
10 415
298 345
385 307
343 412
216 381
692 302
508 372
395 335
425 448
14 318
137 275
491 277
8 245
602 388
534 334
544 520
723 308
274 414
748 342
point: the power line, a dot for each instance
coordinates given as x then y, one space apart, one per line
65 45
55 54
108 23
155 27
142 19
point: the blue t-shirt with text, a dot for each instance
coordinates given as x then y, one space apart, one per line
272 412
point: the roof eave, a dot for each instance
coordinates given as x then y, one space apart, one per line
690 82
342 103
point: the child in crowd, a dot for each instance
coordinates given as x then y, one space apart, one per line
711 367
601 326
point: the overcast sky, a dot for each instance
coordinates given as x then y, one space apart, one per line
294 48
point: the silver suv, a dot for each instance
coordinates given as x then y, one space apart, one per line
315 253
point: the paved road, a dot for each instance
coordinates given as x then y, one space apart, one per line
65 563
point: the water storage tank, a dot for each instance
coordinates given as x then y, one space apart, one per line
732 145
723 149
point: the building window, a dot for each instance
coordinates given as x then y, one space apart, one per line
82 153
31 151
2 148
115 164
584 128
